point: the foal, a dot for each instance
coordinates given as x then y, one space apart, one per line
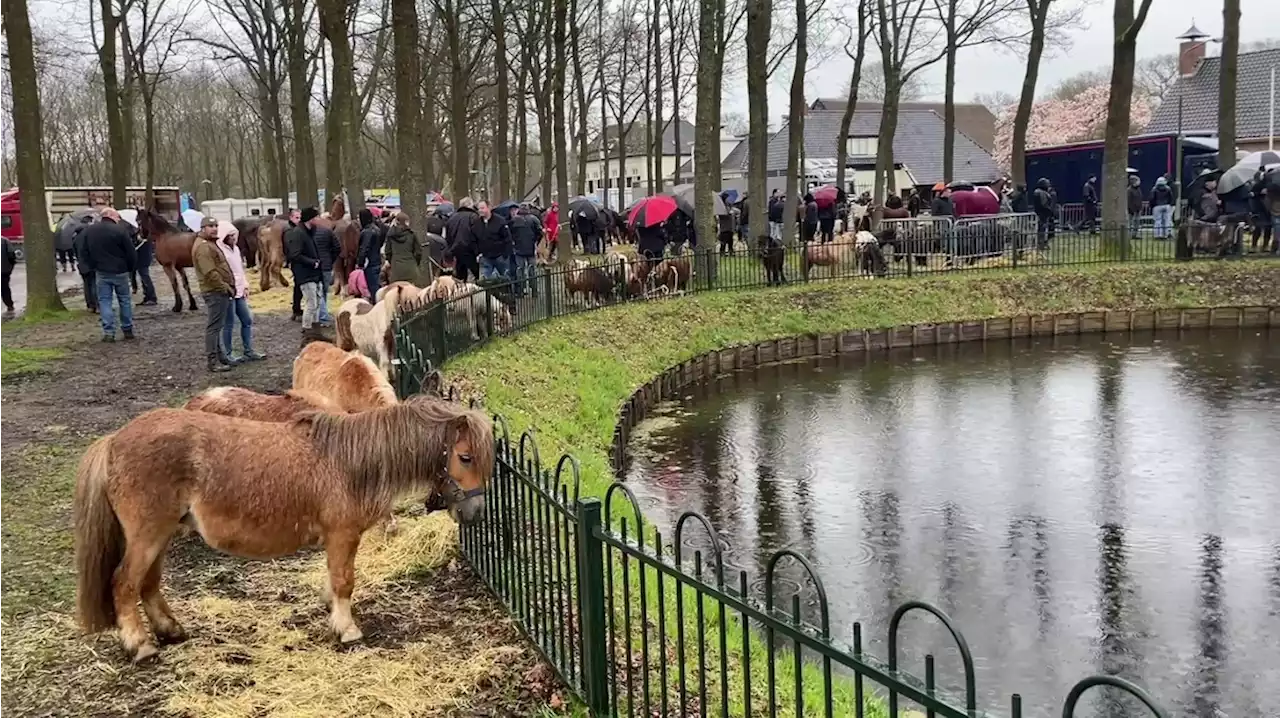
260 491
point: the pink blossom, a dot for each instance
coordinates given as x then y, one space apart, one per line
1056 122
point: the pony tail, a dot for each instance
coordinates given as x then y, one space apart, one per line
342 328
99 540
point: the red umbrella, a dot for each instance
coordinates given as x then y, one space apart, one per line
652 210
825 196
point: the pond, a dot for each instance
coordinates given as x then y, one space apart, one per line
1095 504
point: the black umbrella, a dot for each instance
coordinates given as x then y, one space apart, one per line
583 207
685 197
504 210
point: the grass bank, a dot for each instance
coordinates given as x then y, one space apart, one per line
567 378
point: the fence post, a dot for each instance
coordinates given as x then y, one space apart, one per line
442 351
546 290
595 648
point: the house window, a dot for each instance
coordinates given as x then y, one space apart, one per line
862 146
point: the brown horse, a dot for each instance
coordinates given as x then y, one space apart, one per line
348 233
247 233
173 252
260 491
246 404
349 380
271 252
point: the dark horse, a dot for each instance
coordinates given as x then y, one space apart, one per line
173 252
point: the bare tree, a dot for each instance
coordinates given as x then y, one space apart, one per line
1040 16
759 19
502 143
300 58
1227 70
861 29
1115 157
404 40
149 50
42 286
795 126
711 25
872 84
107 53
557 106
1156 75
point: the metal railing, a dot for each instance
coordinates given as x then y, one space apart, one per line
914 247
637 626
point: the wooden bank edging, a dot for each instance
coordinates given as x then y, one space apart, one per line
810 346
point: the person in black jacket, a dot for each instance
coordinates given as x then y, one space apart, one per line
494 244
461 231
10 260
1090 193
1042 203
777 203
369 257
1162 208
329 248
1133 205
809 223
304 261
526 232
744 223
827 221
109 253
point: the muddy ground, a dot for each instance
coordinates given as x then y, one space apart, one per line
243 616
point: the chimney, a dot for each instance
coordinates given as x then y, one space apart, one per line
1192 50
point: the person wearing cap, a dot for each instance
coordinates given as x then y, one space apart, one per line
238 308
304 261
110 255
217 288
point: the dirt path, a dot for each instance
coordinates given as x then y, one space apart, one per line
438 644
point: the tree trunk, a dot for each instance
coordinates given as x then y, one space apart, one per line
851 104
342 148
330 93
1227 70
502 143
542 103
706 141
268 146
885 179
522 133
650 155
149 125
759 17
42 283
1022 117
675 93
795 129
1115 155
458 103
282 167
580 85
304 154
427 128
408 104
949 98
558 118
111 91
659 130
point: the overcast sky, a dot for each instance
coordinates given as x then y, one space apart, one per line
988 69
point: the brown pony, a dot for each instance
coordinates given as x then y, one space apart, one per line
260 491
271 252
173 252
246 404
349 380
247 239
348 234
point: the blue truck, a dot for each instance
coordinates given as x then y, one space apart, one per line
1151 156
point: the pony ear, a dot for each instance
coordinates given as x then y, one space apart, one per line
433 384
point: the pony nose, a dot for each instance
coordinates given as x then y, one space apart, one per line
469 510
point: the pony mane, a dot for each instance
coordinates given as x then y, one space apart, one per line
380 390
160 224
387 452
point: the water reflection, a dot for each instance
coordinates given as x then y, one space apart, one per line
1095 504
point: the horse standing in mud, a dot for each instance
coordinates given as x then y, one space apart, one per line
258 490
173 252
348 234
271 252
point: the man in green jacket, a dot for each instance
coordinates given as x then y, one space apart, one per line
217 286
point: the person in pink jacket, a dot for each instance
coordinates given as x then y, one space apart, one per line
357 285
551 224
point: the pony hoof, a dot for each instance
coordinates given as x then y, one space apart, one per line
146 653
172 637
351 635
177 309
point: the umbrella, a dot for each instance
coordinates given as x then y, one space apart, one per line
1243 171
504 210
191 218
1271 179
444 209
826 196
584 207
684 196
731 196
651 211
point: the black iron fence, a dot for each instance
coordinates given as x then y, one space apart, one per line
918 247
638 626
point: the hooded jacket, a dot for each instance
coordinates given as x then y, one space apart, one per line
304 257
1161 194
370 252
404 252
462 230
525 233
213 272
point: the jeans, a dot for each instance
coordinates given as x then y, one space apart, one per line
217 303
497 267
116 285
238 308
775 231
312 297
1135 224
371 278
6 292
1163 217
146 255
324 297
525 270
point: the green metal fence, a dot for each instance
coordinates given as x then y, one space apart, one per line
639 626
432 334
